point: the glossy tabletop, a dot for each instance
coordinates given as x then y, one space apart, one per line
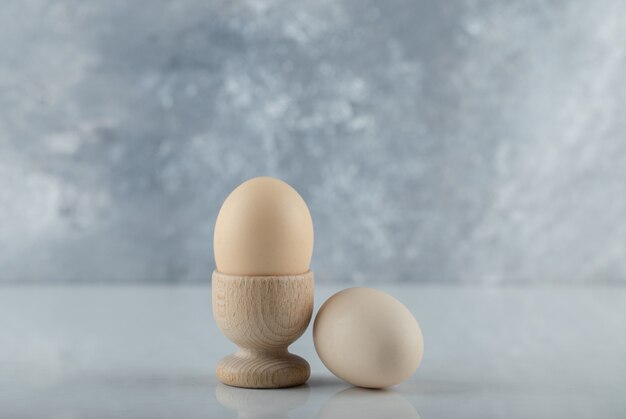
150 352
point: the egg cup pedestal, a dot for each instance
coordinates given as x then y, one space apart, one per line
262 315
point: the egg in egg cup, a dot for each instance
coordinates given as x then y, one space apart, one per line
262 289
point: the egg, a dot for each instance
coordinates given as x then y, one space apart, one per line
368 338
263 228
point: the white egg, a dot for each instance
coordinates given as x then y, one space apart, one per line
368 338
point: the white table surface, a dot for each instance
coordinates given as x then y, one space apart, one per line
150 352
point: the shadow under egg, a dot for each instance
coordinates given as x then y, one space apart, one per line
364 403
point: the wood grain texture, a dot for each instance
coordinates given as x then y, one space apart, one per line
262 315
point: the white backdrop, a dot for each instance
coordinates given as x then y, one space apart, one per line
470 141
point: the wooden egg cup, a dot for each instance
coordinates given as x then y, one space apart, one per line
262 315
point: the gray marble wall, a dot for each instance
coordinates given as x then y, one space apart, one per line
472 141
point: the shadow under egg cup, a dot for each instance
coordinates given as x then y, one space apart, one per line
262 315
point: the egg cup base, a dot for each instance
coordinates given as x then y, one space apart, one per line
263 370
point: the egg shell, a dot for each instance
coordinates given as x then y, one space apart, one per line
368 338
263 228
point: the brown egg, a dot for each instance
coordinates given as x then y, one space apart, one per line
368 338
263 228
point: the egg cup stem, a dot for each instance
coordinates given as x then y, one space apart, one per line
263 315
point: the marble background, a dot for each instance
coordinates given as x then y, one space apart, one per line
467 141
